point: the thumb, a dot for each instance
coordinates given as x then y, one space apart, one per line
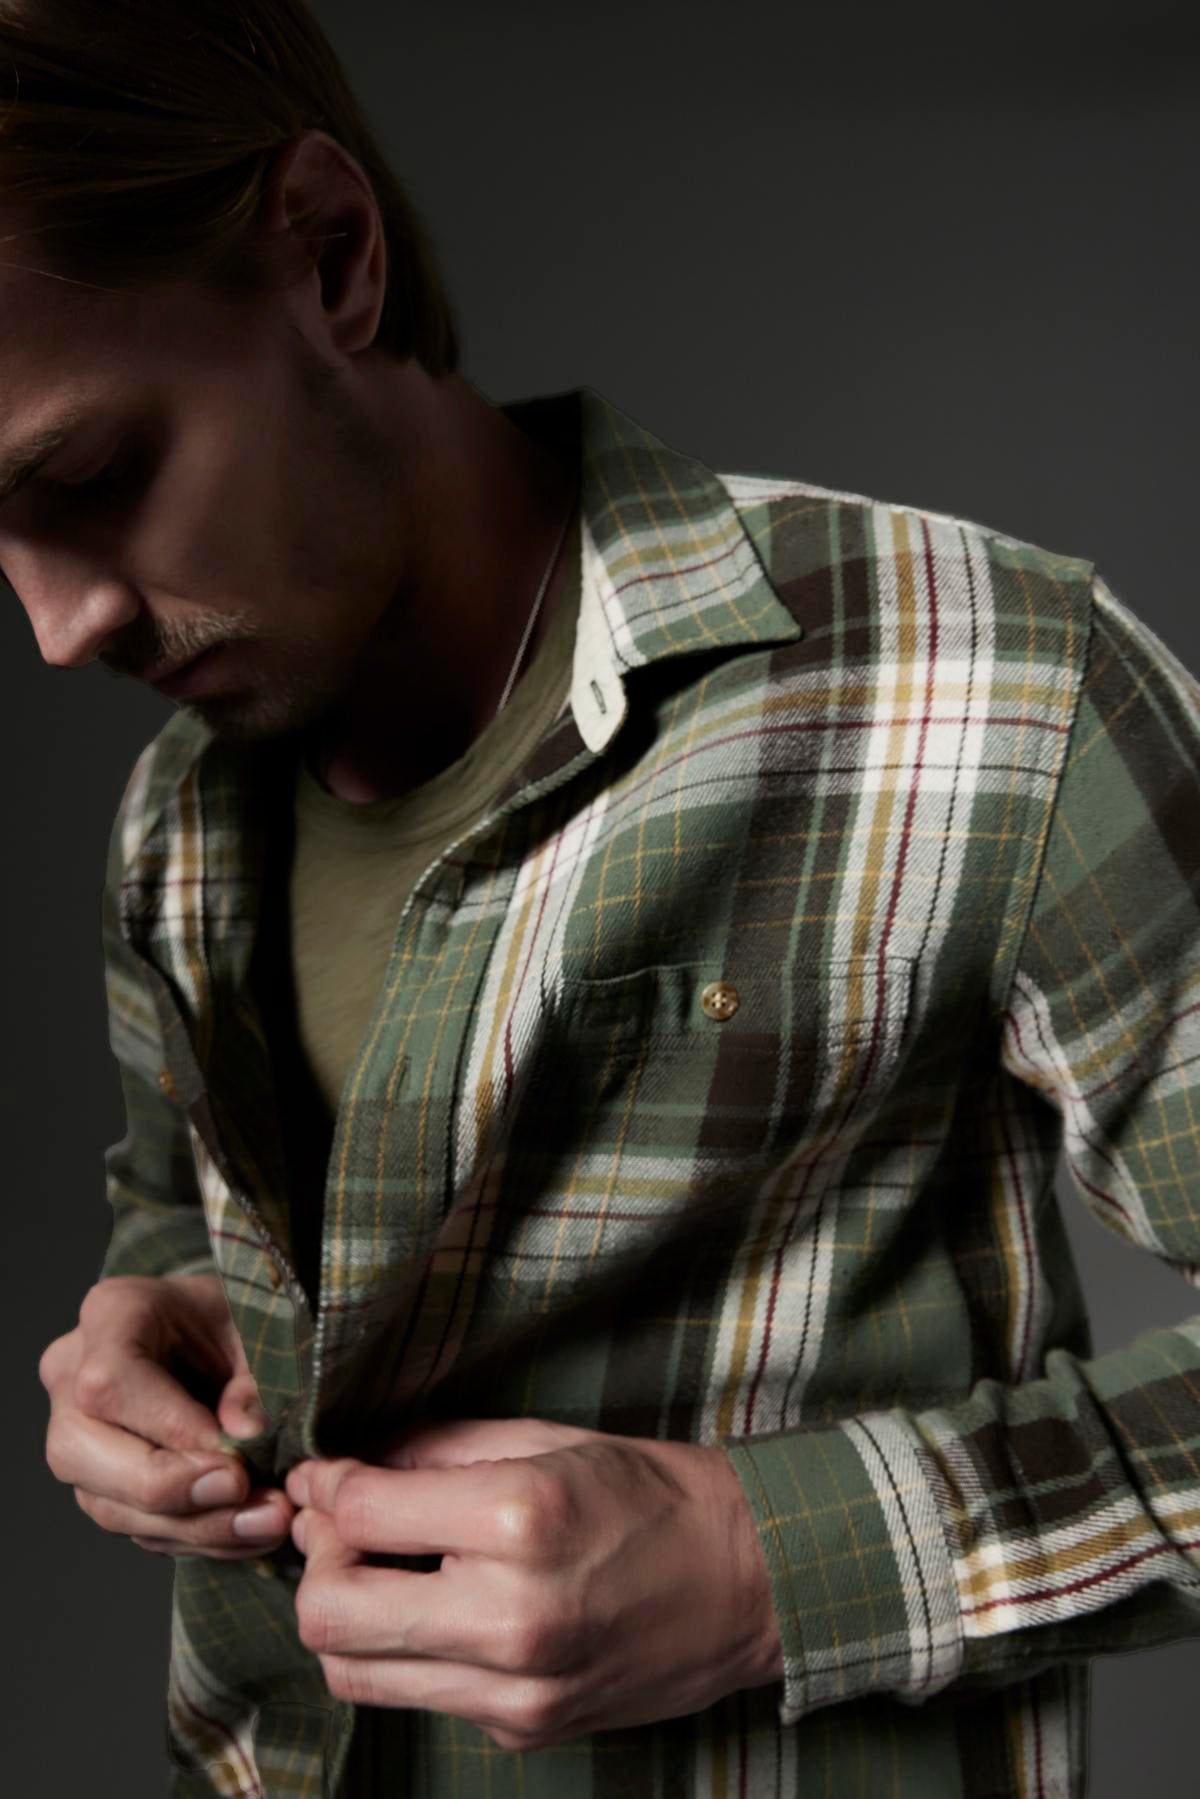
240 1411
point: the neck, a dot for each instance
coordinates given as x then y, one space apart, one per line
481 526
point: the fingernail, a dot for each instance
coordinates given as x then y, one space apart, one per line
252 1423
297 1487
220 1486
259 1521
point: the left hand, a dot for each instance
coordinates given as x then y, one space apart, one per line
588 1581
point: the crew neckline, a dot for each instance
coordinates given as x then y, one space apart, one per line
454 792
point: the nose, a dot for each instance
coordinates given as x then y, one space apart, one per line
74 621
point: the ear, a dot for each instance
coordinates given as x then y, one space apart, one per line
320 217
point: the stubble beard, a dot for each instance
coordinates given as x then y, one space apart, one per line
289 702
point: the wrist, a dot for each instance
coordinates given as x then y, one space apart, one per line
752 1599
740 1584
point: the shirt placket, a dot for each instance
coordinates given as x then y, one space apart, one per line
399 1321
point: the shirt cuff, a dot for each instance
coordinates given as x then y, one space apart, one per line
860 1565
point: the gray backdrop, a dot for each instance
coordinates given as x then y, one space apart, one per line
946 257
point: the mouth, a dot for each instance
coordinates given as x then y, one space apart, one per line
188 678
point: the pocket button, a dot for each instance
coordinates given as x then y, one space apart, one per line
720 999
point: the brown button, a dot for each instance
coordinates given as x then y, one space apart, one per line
274 1276
263 1567
720 1000
167 1082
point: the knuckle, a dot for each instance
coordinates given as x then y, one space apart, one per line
100 1298
529 1645
535 1710
347 1678
515 1526
100 1510
153 1487
96 1384
316 1617
355 1512
208 1536
538 1521
53 1359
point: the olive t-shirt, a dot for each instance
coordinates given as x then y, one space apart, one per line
343 877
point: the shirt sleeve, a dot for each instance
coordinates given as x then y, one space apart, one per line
158 1223
1055 1518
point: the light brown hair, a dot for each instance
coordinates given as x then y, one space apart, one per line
135 136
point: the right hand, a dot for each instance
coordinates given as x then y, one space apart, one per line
133 1441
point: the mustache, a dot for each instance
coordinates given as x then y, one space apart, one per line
147 655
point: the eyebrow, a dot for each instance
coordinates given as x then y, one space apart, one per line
20 463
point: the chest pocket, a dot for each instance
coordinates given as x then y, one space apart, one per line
684 1100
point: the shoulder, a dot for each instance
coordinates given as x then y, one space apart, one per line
821 542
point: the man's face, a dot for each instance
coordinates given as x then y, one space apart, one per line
243 502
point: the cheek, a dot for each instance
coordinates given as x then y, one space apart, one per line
217 532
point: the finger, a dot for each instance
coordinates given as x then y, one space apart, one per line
114 1464
253 1552
504 1508
125 1387
240 1411
218 1528
320 1475
337 1586
316 1537
345 1606
58 1359
328 1472
529 1710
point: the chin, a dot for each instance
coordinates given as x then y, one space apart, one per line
251 718
271 699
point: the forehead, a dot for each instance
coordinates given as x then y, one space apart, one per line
69 348
62 346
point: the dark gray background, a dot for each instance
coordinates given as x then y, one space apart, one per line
945 256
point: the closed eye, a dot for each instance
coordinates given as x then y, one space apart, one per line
101 486
106 477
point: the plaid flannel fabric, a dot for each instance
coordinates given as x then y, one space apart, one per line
927 798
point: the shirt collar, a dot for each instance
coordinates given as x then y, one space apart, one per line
668 568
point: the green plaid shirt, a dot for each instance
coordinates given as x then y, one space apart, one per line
714 1092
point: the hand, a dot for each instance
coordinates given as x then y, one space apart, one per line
131 1439
588 1581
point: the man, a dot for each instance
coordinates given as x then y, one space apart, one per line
602 964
